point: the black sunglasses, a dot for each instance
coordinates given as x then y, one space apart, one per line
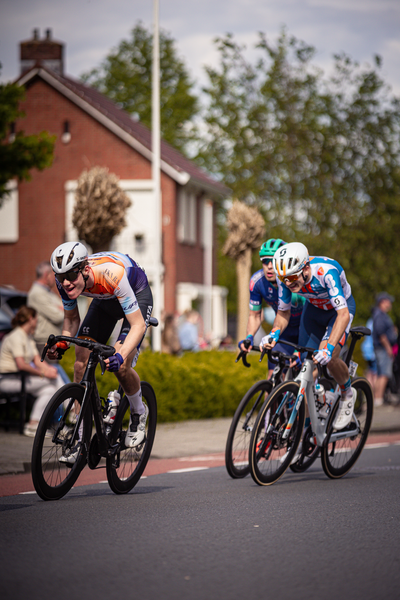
69 275
265 261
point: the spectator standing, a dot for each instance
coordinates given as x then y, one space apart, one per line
188 332
367 349
49 308
384 337
19 353
170 339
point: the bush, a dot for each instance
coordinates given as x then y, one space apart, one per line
198 385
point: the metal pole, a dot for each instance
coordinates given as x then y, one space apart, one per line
155 135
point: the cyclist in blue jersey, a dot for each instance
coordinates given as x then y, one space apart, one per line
326 318
263 286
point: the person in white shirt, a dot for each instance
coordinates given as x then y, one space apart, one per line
19 353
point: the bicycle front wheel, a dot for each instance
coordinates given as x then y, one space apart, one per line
270 452
238 441
53 479
125 468
339 454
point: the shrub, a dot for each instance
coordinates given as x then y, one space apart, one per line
198 385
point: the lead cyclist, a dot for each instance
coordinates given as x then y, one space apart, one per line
326 318
120 290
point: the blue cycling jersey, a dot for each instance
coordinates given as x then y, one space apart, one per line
261 289
328 287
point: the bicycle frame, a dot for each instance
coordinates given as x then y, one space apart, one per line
306 383
91 395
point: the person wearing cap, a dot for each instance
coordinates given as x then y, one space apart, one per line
384 337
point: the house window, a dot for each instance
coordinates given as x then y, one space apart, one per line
187 217
140 244
9 227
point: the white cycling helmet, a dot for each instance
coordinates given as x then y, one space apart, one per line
290 259
68 256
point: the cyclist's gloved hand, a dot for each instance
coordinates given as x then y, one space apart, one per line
247 343
271 338
296 360
114 362
61 348
324 355
57 351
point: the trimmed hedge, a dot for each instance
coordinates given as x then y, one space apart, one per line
200 385
197 385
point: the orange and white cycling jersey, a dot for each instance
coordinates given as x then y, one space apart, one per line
115 275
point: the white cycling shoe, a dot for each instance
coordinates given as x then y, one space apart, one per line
345 411
137 429
70 455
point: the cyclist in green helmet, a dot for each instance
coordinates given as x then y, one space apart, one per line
263 286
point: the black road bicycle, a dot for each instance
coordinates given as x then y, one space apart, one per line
67 421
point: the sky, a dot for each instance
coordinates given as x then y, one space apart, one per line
91 28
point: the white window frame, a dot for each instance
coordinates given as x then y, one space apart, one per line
187 217
9 214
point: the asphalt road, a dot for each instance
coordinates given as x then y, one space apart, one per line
201 535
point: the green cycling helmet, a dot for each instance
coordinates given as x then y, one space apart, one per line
269 247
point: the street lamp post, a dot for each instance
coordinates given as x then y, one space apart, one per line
155 135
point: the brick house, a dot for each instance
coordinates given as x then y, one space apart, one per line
92 131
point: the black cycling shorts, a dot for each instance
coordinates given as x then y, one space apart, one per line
103 315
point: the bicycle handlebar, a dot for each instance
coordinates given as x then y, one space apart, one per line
274 356
102 350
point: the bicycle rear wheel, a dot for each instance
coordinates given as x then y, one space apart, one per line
51 478
238 441
339 456
309 453
126 467
270 454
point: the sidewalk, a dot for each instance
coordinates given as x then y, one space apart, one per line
187 438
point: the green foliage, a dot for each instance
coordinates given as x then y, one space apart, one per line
320 157
125 77
25 152
193 386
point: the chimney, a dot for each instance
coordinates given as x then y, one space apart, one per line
46 52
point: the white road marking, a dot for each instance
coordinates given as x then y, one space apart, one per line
188 469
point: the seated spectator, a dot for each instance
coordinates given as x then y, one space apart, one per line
188 332
170 338
19 353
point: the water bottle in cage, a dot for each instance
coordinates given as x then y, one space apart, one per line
111 407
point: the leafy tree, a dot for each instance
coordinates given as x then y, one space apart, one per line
125 77
25 153
320 157
100 208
